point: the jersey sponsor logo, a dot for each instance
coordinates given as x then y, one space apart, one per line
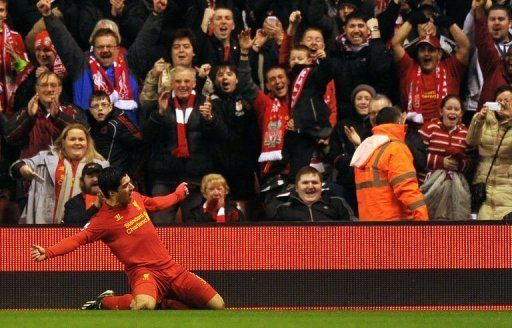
137 222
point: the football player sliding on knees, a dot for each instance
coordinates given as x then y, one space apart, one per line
124 225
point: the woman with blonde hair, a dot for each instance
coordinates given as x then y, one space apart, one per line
55 174
214 207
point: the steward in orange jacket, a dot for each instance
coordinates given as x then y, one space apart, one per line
386 184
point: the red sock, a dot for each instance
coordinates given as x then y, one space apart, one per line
117 302
169 304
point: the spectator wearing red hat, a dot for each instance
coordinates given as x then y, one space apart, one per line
427 79
46 60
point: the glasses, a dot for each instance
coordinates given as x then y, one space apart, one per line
100 105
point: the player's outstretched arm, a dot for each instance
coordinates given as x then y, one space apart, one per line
38 253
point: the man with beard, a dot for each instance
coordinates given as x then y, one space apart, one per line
427 79
81 208
496 65
106 67
116 138
46 60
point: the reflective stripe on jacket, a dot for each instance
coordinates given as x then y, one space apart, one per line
386 185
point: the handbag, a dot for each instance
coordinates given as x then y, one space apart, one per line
478 190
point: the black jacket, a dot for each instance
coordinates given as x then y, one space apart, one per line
117 139
311 113
414 141
371 65
159 132
211 49
75 212
289 207
196 213
237 153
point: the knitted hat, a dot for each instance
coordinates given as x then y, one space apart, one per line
361 87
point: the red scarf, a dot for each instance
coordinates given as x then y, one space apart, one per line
298 85
182 116
6 83
416 87
219 216
121 94
274 128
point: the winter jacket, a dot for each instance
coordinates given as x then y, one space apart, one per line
371 65
211 50
386 184
75 211
289 207
195 213
117 139
238 153
311 113
41 194
160 133
36 133
486 134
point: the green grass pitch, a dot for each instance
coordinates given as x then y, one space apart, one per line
236 318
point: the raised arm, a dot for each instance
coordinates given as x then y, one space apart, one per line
460 38
66 46
397 42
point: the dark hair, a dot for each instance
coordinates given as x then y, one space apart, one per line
275 67
105 32
224 66
497 6
110 180
307 170
448 97
184 33
301 47
98 95
388 115
501 89
355 15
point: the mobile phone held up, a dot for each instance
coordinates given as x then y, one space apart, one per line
494 106
272 20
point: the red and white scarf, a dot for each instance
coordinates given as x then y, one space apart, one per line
6 82
121 94
414 111
182 116
220 216
298 85
274 128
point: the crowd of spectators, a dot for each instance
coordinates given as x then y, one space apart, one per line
291 110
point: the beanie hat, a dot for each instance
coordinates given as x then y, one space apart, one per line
361 87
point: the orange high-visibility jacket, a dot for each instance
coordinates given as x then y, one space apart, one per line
386 184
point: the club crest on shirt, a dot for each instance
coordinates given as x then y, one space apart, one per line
118 217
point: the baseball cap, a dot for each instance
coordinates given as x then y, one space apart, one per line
91 168
432 40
